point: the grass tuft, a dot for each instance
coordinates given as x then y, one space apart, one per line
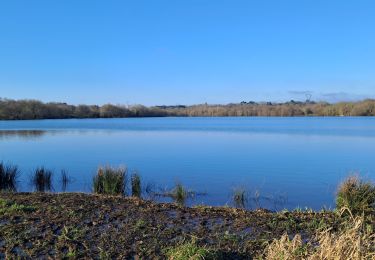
356 195
8 177
42 179
180 194
7 207
286 248
190 251
110 181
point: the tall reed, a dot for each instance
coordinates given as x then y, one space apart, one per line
42 179
8 177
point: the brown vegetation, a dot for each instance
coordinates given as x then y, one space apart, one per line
32 109
354 240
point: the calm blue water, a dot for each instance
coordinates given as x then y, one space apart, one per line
290 161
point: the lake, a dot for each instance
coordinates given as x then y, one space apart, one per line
280 162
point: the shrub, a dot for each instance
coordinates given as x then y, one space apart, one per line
8 177
109 180
42 179
356 195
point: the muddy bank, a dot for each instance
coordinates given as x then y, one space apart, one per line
74 225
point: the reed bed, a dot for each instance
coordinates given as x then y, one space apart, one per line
8 177
41 179
110 181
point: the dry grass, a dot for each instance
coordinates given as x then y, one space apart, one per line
354 241
286 249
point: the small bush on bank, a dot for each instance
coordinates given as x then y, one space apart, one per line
356 195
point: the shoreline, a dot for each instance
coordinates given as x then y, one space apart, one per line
88 225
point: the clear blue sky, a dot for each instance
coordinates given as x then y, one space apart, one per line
186 51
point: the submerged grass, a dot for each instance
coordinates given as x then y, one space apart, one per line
8 177
287 249
42 179
110 181
180 194
356 195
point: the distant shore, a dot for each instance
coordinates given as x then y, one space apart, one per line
33 109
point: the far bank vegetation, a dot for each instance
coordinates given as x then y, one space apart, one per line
33 109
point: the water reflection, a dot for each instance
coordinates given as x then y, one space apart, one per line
23 134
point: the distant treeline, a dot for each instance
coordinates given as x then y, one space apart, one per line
291 108
33 109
